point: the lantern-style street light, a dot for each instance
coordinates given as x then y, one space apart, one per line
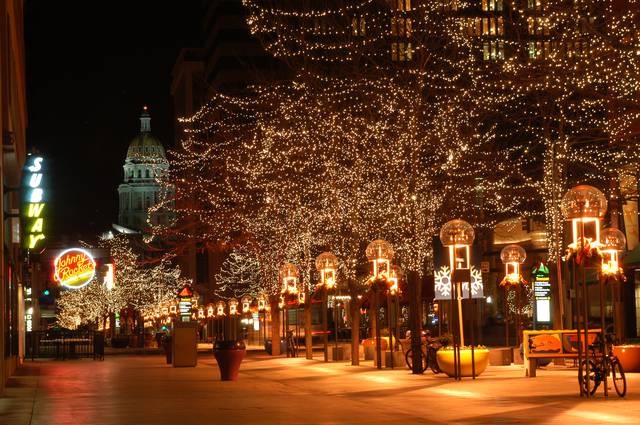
612 241
289 276
584 206
233 307
220 307
246 304
458 236
512 256
380 253
262 308
327 265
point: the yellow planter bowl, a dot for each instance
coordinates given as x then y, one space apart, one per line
480 355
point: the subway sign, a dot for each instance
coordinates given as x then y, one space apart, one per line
33 203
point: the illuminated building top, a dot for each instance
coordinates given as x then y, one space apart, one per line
145 161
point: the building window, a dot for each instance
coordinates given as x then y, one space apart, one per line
492 5
358 26
534 5
138 200
148 175
401 52
403 5
493 50
401 26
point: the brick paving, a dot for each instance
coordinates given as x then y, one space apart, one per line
142 389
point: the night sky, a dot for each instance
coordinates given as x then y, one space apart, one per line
91 66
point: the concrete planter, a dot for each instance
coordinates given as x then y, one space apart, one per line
229 355
629 356
481 357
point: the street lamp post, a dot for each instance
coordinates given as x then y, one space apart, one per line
262 308
458 236
326 264
512 256
379 253
289 276
584 206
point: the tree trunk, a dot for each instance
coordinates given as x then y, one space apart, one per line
415 292
308 337
355 331
275 329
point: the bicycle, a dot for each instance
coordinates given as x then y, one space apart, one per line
292 345
429 347
607 365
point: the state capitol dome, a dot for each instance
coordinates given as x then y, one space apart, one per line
145 164
145 144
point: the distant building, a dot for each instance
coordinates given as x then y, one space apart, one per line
146 160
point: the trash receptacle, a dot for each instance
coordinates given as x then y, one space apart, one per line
98 346
268 346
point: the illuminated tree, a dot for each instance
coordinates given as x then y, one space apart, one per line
239 275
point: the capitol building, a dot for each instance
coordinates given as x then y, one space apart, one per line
146 160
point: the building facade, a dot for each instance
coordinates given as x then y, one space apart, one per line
13 121
146 161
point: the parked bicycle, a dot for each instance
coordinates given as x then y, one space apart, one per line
292 345
602 363
429 360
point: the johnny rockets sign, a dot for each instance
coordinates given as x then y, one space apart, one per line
74 268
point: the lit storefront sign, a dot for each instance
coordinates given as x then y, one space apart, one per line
74 268
34 203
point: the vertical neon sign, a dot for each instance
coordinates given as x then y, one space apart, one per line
33 202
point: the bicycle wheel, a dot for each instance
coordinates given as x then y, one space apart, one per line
408 358
618 378
594 380
433 361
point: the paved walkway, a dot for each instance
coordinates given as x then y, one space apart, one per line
141 389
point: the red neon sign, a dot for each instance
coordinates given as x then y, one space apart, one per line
74 268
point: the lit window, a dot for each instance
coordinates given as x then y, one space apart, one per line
358 26
403 5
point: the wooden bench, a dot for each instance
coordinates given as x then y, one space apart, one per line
552 344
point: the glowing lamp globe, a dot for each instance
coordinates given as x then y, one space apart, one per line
210 311
458 235
220 307
327 264
457 232
512 256
246 303
584 201
233 307
380 253
289 276
302 298
611 241
584 206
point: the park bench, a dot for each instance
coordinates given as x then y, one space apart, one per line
552 344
